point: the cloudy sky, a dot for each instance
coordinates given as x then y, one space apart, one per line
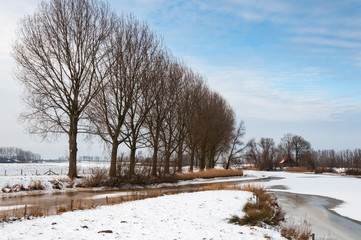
284 66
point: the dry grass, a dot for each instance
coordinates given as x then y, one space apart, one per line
36 185
97 179
251 168
299 232
264 210
297 169
212 173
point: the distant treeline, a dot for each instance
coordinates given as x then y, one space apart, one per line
296 151
13 154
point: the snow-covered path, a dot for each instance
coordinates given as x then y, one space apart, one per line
201 215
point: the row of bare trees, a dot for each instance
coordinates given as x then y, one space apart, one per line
13 154
266 155
87 70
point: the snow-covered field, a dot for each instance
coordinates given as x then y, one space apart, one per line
28 174
201 215
345 188
186 216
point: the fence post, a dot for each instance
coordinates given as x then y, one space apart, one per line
25 211
5 172
106 199
71 205
21 172
313 236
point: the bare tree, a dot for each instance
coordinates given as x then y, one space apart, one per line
161 107
286 146
142 70
197 87
168 131
253 155
107 113
299 146
237 145
60 55
262 154
268 153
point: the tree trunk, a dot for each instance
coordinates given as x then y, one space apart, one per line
113 160
132 161
208 163
192 161
202 160
167 160
155 154
155 160
179 158
228 162
73 173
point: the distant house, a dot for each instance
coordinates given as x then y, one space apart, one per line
287 162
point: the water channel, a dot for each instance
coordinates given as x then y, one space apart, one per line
315 210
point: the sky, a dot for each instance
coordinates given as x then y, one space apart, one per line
284 66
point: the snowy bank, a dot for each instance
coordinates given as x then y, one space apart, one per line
201 215
344 188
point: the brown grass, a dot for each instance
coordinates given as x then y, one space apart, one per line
212 173
292 231
36 185
264 211
251 168
297 169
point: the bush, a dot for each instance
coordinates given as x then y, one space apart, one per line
353 171
36 185
299 232
98 178
264 211
324 170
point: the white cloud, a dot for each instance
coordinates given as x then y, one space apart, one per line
257 94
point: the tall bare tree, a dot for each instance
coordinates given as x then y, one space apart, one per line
197 87
300 146
286 146
168 134
107 113
142 71
237 145
60 53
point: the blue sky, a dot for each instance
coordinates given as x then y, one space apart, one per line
284 66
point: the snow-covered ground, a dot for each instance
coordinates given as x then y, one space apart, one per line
345 188
33 169
28 173
201 215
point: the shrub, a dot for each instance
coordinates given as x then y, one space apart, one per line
353 171
98 178
36 185
324 170
264 210
293 231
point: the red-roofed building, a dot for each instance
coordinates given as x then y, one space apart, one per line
287 162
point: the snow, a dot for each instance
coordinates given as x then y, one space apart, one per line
201 215
27 173
345 188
